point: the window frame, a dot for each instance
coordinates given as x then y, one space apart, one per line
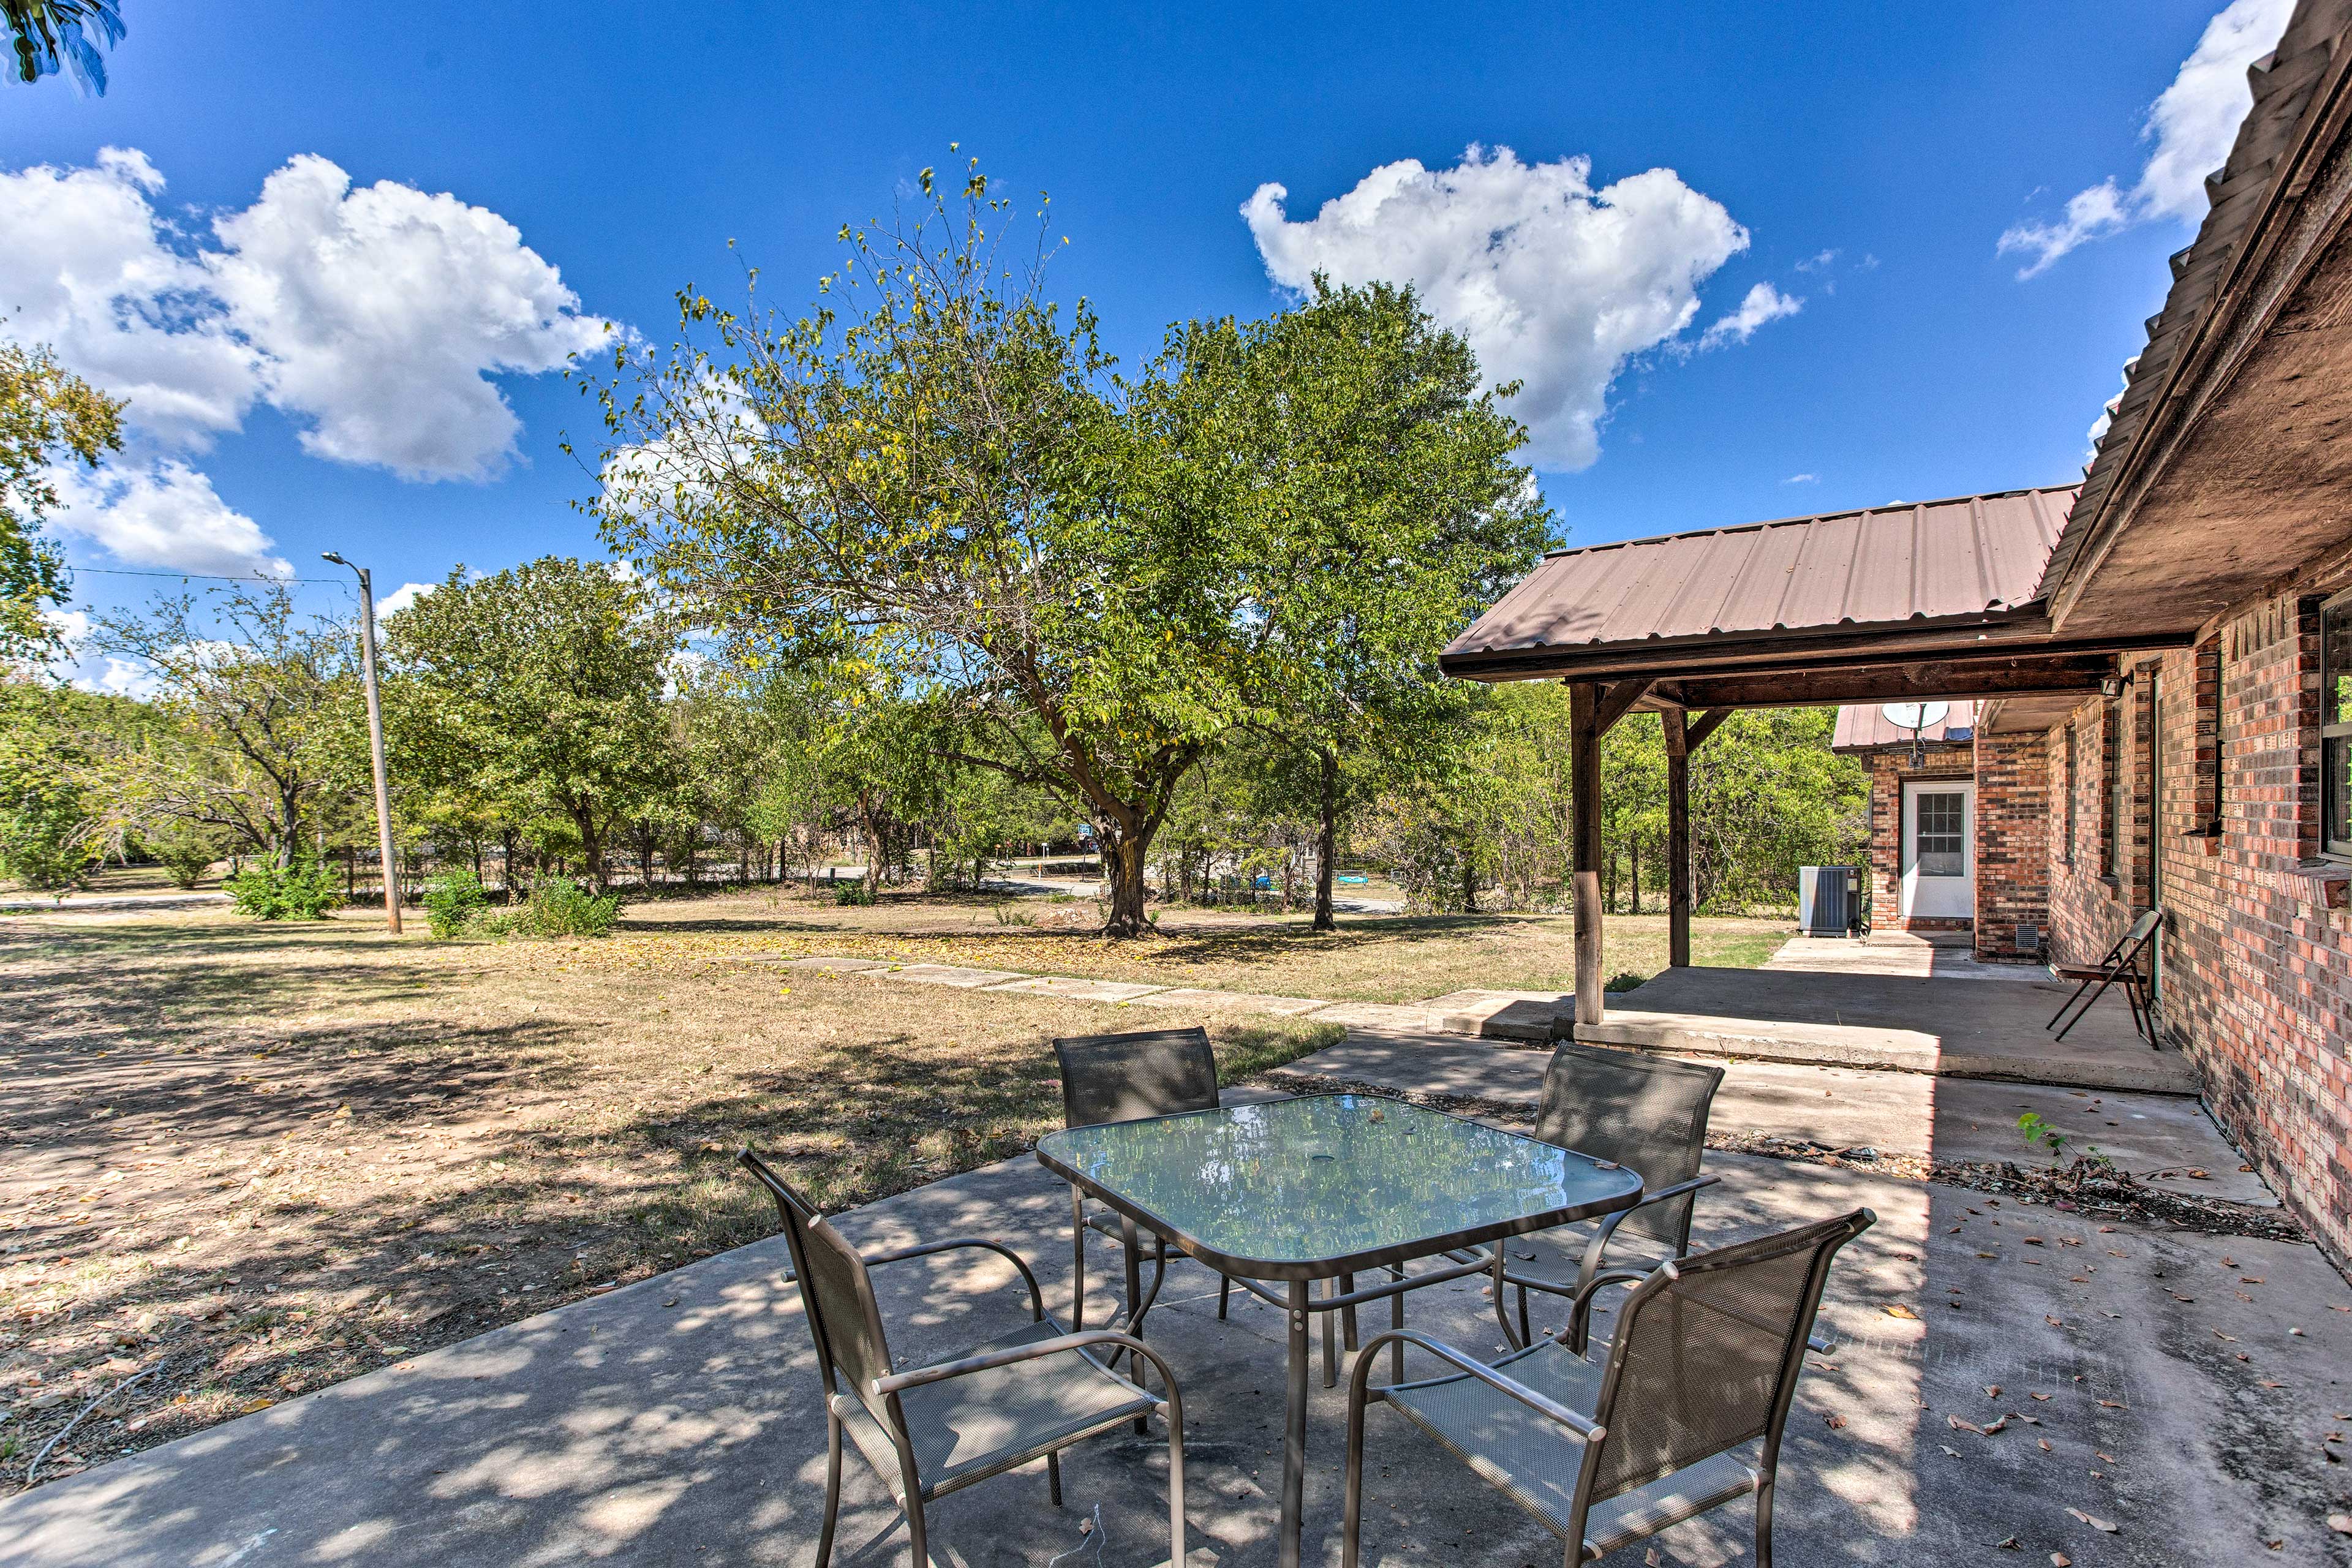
2119 783
2073 785
2334 740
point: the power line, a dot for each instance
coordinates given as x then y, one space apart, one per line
199 576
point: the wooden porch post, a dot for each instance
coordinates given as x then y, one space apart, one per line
1679 845
1584 786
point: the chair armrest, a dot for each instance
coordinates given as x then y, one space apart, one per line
1542 1404
1601 1239
925 1249
1599 1245
964 1366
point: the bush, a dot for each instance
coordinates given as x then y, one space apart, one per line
454 901
186 857
856 893
305 890
564 908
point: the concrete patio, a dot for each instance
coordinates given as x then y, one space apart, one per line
2191 1384
1892 1008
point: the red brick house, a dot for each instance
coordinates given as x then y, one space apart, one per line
2157 664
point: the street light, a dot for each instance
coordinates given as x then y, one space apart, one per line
375 739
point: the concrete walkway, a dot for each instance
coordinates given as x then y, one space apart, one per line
676 1422
111 903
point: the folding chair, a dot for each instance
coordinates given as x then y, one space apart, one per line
2119 967
932 1430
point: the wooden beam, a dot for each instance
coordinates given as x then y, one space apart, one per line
2012 674
1619 699
1584 789
1678 847
1695 735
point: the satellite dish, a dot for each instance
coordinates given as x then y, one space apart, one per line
1916 716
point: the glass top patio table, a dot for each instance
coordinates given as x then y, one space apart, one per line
1310 1188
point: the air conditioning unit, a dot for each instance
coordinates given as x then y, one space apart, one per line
1829 899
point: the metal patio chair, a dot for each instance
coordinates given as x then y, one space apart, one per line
2119 967
1130 1077
935 1429
1683 1415
1648 1114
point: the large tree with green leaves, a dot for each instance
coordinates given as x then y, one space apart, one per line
48 416
540 686
1387 513
934 479
46 36
254 695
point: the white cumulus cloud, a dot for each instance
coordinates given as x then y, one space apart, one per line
375 318
164 514
1554 283
2192 125
1762 303
400 598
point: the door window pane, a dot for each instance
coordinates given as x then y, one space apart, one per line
1939 848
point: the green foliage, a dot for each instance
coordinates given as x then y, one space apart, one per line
49 36
52 834
536 689
453 901
253 718
49 417
857 893
562 907
305 890
941 487
185 853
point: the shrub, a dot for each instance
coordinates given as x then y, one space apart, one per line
305 890
454 901
562 907
185 855
855 892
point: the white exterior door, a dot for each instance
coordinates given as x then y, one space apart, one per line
1939 862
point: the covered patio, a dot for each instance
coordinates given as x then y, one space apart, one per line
1933 600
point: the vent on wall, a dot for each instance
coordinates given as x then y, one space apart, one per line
2028 939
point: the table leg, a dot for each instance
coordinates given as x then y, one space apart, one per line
1396 1321
1294 1432
1330 1337
1130 1243
1347 1340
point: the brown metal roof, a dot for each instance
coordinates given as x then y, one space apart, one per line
1862 727
2259 179
1934 560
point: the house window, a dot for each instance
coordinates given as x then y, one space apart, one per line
2336 725
2073 783
1942 849
2118 791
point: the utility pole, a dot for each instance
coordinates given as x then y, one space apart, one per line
375 741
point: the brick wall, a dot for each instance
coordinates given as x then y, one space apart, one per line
2012 840
1888 769
2256 974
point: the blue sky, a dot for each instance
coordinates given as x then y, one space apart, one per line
1872 157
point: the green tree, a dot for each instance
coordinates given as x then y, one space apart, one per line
1388 513
48 416
252 696
940 482
540 685
49 36
51 839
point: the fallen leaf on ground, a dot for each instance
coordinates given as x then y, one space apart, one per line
2094 1523
1900 1311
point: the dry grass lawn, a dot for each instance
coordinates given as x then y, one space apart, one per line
1371 958
240 1161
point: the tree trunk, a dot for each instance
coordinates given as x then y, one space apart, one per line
1633 847
1326 844
1123 865
1469 886
592 847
